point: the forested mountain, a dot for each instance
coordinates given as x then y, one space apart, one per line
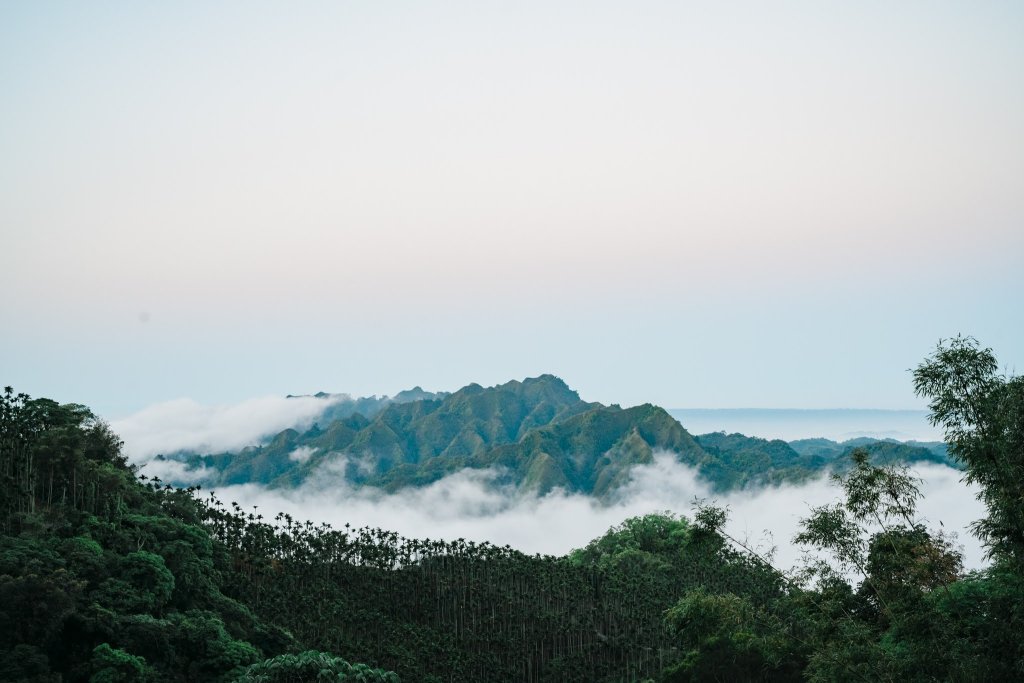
883 450
105 577
739 461
538 431
538 434
340 406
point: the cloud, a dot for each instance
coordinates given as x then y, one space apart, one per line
174 471
469 504
184 424
302 453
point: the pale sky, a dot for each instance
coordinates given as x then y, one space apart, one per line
692 204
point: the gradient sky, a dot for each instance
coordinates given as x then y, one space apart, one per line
692 204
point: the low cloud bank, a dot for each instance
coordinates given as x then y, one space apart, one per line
184 424
469 504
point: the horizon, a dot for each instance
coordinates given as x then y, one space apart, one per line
741 233
136 408
185 425
692 204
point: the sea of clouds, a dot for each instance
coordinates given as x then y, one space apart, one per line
186 425
471 504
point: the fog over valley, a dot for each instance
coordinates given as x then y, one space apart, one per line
468 505
476 504
678 340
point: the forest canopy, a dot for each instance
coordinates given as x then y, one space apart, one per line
106 575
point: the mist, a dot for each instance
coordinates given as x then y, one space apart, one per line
471 505
184 424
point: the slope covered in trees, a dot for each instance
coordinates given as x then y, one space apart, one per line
537 434
107 578
739 461
102 577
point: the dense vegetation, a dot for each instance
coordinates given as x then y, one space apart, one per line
537 434
104 577
738 461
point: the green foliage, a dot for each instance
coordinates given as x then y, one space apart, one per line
314 666
912 615
26 663
982 413
105 578
874 533
462 611
408 443
727 637
537 431
541 435
818 453
738 461
110 665
148 574
657 540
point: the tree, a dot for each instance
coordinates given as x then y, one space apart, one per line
874 533
314 666
726 637
982 413
111 665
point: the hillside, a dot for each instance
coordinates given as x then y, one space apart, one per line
883 451
341 406
107 578
738 461
538 432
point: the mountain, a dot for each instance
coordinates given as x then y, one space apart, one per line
740 460
343 405
592 452
537 433
883 451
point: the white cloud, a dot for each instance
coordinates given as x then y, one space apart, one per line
302 453
468 504
174 471
184 424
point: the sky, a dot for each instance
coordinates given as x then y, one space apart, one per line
699 205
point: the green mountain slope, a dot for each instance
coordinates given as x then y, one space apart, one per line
737 461
592 452
740 461
538 432
883 451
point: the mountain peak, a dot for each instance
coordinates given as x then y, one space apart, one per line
547 380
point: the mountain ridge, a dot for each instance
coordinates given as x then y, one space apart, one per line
536 433
538 430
